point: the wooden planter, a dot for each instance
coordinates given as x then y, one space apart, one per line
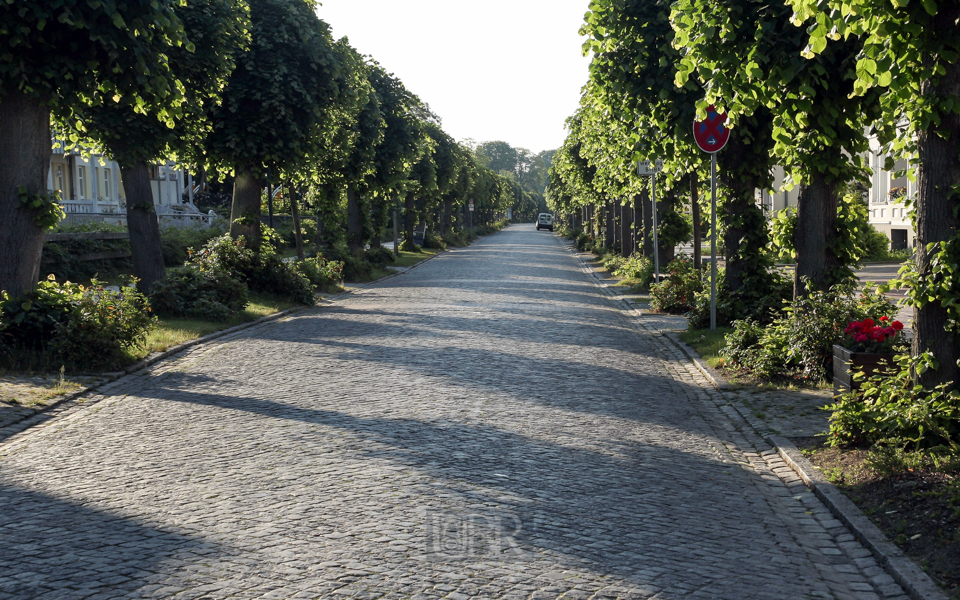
869 362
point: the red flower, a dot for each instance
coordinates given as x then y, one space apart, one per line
878 335
868 323
861 338
897 325
884 318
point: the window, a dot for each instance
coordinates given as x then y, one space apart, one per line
883 212
82 182
106 184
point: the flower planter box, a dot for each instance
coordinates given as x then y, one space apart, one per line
869 362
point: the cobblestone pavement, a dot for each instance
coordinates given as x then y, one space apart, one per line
488 424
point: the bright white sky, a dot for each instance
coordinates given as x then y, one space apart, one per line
507 70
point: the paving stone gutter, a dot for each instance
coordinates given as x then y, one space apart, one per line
903 570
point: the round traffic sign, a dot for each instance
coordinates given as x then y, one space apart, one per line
711 134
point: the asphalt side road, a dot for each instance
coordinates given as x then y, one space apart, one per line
487 424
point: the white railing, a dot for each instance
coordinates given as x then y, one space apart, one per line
72 207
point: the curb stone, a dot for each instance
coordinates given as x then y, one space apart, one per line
900 567
75 398
911 577
709 372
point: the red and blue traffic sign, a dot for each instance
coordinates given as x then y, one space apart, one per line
711 134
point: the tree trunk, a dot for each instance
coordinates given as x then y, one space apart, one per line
667 251
626 230
447 216
816 226
937 214
739 216
637 223
144 228
617 214
409 218
695 213
295 212
24 161
245 212
609 224
355 241
647 203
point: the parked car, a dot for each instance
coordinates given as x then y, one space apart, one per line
545 221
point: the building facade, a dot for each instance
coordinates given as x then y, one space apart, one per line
91 188
886 198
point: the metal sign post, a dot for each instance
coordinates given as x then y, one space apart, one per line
711 136
713 241
650 169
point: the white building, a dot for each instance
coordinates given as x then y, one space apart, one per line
886 209
91 189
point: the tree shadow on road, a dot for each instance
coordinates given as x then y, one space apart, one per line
650 513
56 548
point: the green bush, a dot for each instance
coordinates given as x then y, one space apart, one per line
308 232
677 293
61 259
324 275
379 257
457 239
72 325
262 271
354 268
584 242
876 246
199 294
890 409
635 267
409 246
176 242
800 341
730 309
431 241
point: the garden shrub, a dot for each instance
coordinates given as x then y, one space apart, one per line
72 325
778 290
176 242
409 246
324 275
262 271
677 293
584 242
192 292
457 239
61 258
800 341
354 268
635 267
379 257
876 246
308 232
890 409
431 241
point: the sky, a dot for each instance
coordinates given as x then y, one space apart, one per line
508 70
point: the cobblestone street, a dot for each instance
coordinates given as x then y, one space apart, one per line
487 424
